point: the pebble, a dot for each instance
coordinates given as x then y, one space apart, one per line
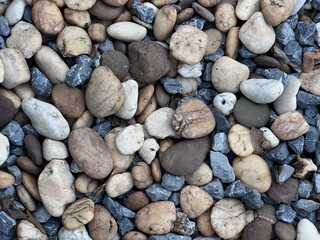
34 149
116 61
256 35
74 41
261 91
130 139
103 225
285 192
156 218
127 31
56 173
225 17
261 175
227 74
129 106
221 167
7 111
7 225
80 233
283 172
193 119
104 85
141 175
26 229
239 140
284 33
97 32
294 53
188 44
4 27
142 56
160 120
308 81
134 235
183 225
233 212
188 86
235 189
51 65
245 9
215 189
14 133
201 176
119 184
149 150
214 41
26 38
171 85
46 119
136 200
225 102
185 156
143 12
41 214
79 5
156 192
194 201
164 22
90 152
15 171
220 143
306 230
78 74
277 12
305 33
204 224
40 83
285 213
289 125
190 71
304 206
77 18
16 70
271 140
15 11
172 183
259 228
6 179
53 149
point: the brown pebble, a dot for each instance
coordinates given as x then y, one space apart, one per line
162 97
34 148
285 192
214 40
27 165
104 11
156 170
233 42
285 231
185 15
144 97
30 182
225 16
204 224
141 175
136 200
97 32
150 108
134 235
258 229
264 61
85 184
203 12
77 18
116 61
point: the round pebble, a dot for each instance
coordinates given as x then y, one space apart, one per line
225 102
239 140
127 31
119 184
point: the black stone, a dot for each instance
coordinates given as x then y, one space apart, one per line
143 12
305 99
235 189
303 207
285 213
27 15
78 75
277 154
96 198
246 53
284 33
125 225
40 83
157 193
215 189
305 32
171 85
312 137
103 127
14 133
294 52
297 144
116 209
172 182
252 199
4 27
52 226
206 95
222 124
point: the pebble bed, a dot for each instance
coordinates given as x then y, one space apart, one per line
160 119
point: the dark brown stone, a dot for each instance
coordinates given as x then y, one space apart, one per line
186 156
27 165
34 148
104 11
258 229
264 61
257 139
149 61
7 111
136 200
284 192
117 62
285 231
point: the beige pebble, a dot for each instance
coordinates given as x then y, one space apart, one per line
134 235
6 93
304 167
185 15
136 200
245 8
141 175
253 171
86 184
85 120
24 90
26 230
232 43
156 170
26 198
16 70
225 17
156 218
194 201
276 11
232 211
53 149
55 199
6 179
309 81
214 40
144 97
77 18
149 150
208 3
78 214
30 182
271 139
119 184
188 86
164 22
239 140
202 176
160 3
204 224
162 97
129 106
188 44
74 41
127 31
51 64
97 32
289 125
47 17
79 5
150 108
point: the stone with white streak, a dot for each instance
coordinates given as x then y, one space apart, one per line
46 119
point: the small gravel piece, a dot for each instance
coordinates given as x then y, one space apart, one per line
7 225
78 75
171 85
215 189
297 144
285 213
40 83
316 182
220 143
294 52
125 225
116 209
14 133
221 167
305 32
143 12
284 33
305 188
157 192
41 214
252 199
4 27
235 189
303 207
172 183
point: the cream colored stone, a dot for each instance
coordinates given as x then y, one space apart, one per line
129 106
239 140
14 11
127 31
77 18
26 230
306 230
119 184
272 140
86 184
53 149
202 176
188 86
85 120
245 8
24 90
225 17
149 150
25 198
80 5
130 139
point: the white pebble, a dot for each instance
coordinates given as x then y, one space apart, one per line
129 106
26 230
15 11
4 148
119 184
149 150
307 231
268 135
130 139
190 71
225 102
53 149
127 31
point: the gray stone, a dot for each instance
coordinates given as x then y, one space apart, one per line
312 137
215 189
157 193
40 83
316 182
41 214
2 43
125 225
116 209
283 172
169 236
305 32
84 60
294 52
14 133
78 75
303 207
52 226
143 12
249 63
305 188
220 143
206 75
222 124
277 154
74 168
103 127
221 167
206 95
175 198
15 171
284 33
305 99
252 199
7 192
4 27
171 85
273 73
194 22
172 183
285 213
106 45
317 154
7 224
29 129
183 225
297 144
235 189
246 53
215 56
27 15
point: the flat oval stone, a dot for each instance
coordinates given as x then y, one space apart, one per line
14 11
130 139
245 9
194 201
261 90
55 199
4 148
46 119
289 125
116 61
33 147
90 152
232 211
104 11
164 22
127 31
239 140
185 156
253 171
193 119
156 218
16 70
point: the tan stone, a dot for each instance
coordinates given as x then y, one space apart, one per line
214 40
225 17
204 224
239 140
86 184
77 18
276 11
164 22
141 175
6 179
